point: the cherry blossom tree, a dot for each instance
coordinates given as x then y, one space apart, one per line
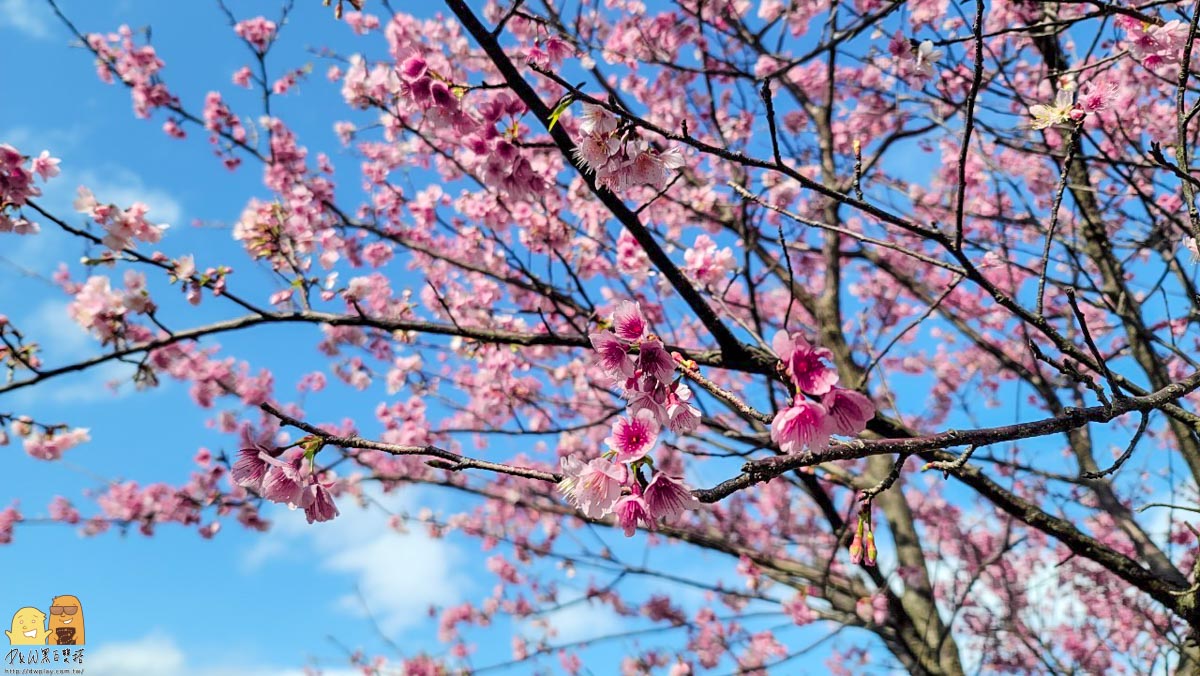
890 305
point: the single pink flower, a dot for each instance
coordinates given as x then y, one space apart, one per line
653 360
631 510
595 120
413 68
8 517
249 469
592 488
319 501
804 363
596 151
628 321
284 481
848 411
682 416
802 425
45 166
667 497
645 166
633 437
613 354
242 76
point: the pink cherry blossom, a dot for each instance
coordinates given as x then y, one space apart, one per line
805 363
612 355
45 166
8 517
707 264
259 32
596 121
801 426
653 360
632 510
242 77
51 446
666 497
318 503
628 322
284 481
249 469
682 416
593 487
633 437
62 510
848 411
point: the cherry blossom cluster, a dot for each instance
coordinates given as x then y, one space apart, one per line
504 166
17 186
268 231
104 312
219 120
419 88
287 479
1153 44
1066 110
809 422
137 66
8 517
258 32
122 226
129 502
616 155
635 359
41 441
707 264
50 444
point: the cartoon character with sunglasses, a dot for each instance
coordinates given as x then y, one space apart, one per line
66 621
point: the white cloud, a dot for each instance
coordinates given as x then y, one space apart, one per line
57 334
152 655
39 255
30 18
577 622
399 575
59 141
62 342
109 182
123 187
157 654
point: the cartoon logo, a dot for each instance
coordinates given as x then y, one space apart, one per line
66 624
66 621
28 627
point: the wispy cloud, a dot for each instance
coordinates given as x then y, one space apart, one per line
578 622
157 654
29 18
361 546
39 255
62 341
152 655
122 187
